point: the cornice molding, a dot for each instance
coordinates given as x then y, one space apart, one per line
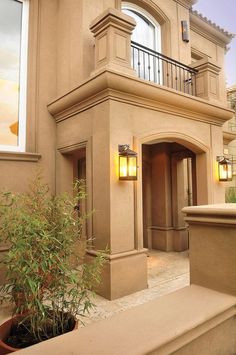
111 85
71 148
228 137
223 213
212 24
206 64
186 3
205 29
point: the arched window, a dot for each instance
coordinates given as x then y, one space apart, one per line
146 36
147 31
13 63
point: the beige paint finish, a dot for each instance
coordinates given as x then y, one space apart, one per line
184 47
211 44
219 340
123 274
24 171
112 31
216 139
71 107
213 246
116 204
207 79
41 86
186 320
204 45
148 122
75 43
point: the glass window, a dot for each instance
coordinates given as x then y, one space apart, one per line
147 29
146 33
13 61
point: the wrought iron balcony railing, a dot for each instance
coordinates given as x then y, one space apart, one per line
160 69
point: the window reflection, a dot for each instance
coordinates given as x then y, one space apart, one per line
10 50
147 34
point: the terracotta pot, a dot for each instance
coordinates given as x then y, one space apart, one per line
5 329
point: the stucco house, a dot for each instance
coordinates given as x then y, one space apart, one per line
80 78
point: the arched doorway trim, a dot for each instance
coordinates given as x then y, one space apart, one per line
189 142
203 171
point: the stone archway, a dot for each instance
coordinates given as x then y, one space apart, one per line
174 175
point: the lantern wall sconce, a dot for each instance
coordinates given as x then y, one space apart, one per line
224 168
127 163
185 31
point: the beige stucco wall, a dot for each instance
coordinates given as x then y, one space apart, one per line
61 54
216 53
103 111
75 44
14 174
112 123
169 13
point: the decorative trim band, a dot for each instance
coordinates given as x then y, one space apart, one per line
19 156
112 85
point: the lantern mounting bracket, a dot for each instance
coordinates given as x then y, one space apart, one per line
219 158
124 149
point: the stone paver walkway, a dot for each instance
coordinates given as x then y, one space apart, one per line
167 272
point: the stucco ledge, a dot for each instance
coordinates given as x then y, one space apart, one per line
223 213
19 156
114 85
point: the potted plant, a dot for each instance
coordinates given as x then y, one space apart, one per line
49 290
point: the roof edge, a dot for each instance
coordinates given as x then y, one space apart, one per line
225 36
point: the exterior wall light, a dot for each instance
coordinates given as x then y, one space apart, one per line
127 163
185 31
224 169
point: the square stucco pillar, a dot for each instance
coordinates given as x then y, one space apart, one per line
114 223
114 217
212 246
112 31
207 79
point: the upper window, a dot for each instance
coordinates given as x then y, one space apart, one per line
13 63
147 30
146 38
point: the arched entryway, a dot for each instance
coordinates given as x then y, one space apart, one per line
170 181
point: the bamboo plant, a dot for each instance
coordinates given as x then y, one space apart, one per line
41 230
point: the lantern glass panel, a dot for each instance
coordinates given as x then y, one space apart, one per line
132 166
230 172
123 166
223 172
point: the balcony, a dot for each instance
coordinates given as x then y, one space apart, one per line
162 70
115 52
